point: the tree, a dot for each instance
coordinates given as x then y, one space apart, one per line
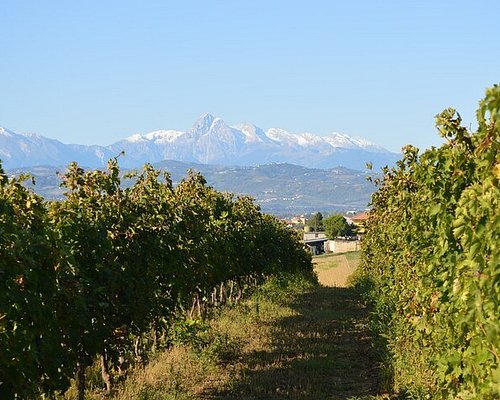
336 225
315 222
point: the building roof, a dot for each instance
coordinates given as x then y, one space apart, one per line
315 241
361 217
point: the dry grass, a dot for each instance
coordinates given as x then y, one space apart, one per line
291 340
334 270
318 349
176 374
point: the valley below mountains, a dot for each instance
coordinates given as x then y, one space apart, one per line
280 189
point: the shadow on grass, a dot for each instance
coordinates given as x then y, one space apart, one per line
322 352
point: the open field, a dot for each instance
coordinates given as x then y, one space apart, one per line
334 269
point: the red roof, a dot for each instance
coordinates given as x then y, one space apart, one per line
362 216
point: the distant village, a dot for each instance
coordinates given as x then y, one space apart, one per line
318 236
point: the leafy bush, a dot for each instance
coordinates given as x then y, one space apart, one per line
432 255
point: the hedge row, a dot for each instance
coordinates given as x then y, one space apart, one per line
104 273
432 254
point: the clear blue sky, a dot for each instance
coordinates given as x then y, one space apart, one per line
97 71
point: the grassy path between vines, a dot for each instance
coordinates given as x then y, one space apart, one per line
290 341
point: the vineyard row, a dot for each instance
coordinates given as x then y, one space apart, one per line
431 256
103 274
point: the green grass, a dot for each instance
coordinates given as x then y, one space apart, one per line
331 260
326 263
353 256
293 339
318 347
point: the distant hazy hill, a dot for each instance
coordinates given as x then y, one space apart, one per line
209 141
278 188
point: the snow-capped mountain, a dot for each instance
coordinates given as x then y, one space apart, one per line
18 150
209 141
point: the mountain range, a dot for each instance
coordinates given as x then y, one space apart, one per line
209 141
280 189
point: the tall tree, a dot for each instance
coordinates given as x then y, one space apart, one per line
316 222
336 225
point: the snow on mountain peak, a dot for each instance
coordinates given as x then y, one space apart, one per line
280 135
5 132
135 138
160 136
366 143
8 133
32 135
217 123
210 140
252 133
341 140
308 139
202 125
305 139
